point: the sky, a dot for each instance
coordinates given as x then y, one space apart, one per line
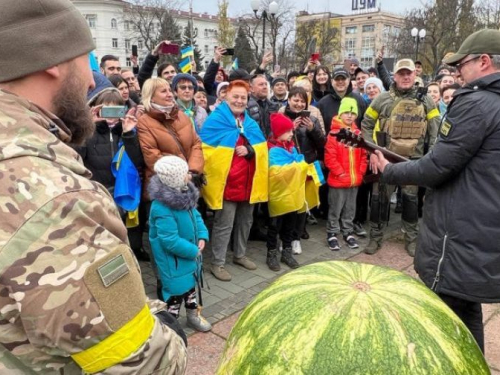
239 7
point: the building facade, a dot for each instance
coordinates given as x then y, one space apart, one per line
362 34
114 35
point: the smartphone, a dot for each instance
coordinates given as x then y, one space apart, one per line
229 52
171 49
305 113
315 57
277 68
134 50
113 111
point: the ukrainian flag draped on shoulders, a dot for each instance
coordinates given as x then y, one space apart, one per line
219 136
288 172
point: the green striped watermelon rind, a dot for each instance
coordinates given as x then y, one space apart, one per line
343 317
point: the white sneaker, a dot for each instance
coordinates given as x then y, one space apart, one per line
394 198
296 248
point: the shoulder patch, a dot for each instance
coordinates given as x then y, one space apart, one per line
445 128
113 270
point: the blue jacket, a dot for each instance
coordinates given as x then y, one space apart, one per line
175 227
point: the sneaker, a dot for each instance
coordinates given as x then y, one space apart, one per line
333 243
410 248
296 248
359 230
220 273
305 235
245 262
351 241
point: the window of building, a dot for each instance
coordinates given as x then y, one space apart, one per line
92 20
206 32
129 63
215 32
366 61
351 30
139 44
113 23
368 28
396 31
206 48
127 44
350 46
368 48
114 43
126 25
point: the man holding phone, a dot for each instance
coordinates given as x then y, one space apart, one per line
147 67
209 79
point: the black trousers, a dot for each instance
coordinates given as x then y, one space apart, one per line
470 313
283 225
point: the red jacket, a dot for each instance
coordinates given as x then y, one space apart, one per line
347 165
239 181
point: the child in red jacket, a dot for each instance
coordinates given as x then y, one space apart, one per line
347 166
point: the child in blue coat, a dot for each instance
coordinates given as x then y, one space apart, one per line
178 236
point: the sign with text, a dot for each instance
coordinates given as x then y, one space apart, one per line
363 4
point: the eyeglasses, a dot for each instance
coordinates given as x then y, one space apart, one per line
186 87
461 65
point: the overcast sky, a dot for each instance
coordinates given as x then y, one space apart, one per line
239 7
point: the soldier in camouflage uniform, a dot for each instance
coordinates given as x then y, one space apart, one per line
71 295
402 120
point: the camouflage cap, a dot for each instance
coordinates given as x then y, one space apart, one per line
407 64
483 41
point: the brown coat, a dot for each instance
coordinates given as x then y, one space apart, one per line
155 135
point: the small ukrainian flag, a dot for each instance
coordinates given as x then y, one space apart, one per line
185 65
235 64
187 51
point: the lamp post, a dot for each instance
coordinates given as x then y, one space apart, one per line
418 36
273 9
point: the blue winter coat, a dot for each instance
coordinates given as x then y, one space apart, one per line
175 227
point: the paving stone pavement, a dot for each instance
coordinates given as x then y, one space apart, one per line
223 301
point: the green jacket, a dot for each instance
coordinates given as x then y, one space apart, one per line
69 283
381 107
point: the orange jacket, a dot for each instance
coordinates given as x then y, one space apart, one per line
347 165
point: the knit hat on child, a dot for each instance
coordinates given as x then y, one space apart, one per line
172 171
280 124
348 105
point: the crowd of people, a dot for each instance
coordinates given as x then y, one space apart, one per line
219 124
223 157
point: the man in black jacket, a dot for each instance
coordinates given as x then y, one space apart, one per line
329 105
458 252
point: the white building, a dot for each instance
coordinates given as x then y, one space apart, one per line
112 35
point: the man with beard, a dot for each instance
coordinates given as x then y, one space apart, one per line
71 295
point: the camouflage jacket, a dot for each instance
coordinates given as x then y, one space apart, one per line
381 107
71 296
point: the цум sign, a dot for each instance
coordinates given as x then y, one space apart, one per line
363 4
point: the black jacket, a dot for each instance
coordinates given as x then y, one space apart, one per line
209 78
458 248
384 75
310 143
329 107
260 111
147 68
99 151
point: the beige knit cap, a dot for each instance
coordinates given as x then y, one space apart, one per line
172 171
38 34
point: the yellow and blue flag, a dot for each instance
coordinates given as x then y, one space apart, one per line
287 178
187 52
185 65
219 136
235 65
314 181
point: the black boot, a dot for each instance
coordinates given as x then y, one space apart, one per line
288 259
272 260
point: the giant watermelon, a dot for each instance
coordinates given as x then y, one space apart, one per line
349 318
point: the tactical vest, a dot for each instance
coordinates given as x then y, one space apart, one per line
405 126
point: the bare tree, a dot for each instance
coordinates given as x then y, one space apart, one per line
325 35
151 21
447 24
225 36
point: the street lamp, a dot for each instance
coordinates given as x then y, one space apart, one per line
418 36
273 9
